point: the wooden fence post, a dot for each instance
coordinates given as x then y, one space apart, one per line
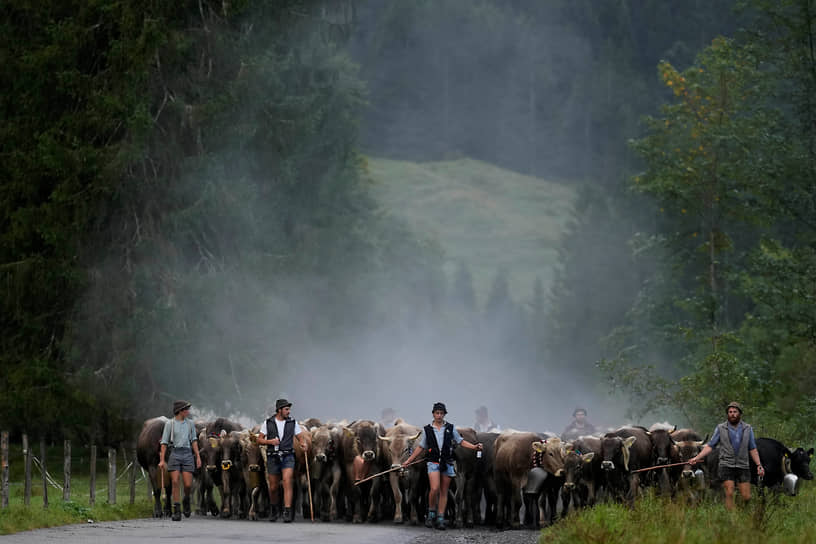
45 478
133 467
4 484
27 464
111 476
92 497
66 471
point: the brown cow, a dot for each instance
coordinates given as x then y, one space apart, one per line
148 448
551 450
406 485
511 465
325 470
686 485
210 474
253 469
582 471
232 477
361 438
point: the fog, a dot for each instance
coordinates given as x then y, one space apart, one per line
456 82
283 296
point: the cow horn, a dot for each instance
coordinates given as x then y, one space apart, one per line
415 436
386 438
626 445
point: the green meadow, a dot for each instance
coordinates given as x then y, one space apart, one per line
482 215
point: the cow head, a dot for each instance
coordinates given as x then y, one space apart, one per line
366 440
686 450
251 455
800 463
324 444
662 447
230 450
552 458
210 451
615 452
574 462
399 443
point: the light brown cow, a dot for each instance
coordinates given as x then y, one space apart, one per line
399 441
511 465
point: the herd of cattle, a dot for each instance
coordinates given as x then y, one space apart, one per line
488 489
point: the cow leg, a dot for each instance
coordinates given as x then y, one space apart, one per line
515 506
334 490
168 495
566 498
393 480
470 503
373 501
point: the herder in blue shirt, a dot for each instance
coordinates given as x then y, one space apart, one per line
736 440
439 439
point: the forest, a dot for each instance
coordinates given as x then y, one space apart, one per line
187 206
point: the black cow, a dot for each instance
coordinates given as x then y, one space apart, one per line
623 451
582 472
484 483
778 461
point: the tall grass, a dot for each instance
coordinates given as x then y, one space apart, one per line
19 517
774 518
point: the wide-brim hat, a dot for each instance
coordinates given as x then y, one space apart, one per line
180 405
282 403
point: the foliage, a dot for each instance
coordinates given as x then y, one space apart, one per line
728 314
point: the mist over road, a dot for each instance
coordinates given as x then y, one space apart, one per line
210 531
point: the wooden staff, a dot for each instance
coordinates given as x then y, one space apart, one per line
308 482
661 466
392 469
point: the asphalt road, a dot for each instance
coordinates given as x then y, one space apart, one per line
201 530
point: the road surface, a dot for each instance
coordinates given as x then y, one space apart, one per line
207 530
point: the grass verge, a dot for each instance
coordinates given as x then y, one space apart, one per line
776 519
19 517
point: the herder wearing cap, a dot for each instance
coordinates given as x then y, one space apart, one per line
439 439
180 434
280 457
578 427
736 440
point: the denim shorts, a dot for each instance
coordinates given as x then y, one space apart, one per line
181 459
434 467
275 463
737 475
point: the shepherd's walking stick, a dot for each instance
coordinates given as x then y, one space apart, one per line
392 469
661 466
308 482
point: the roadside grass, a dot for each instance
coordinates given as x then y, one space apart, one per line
655 520
19 517
485 216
